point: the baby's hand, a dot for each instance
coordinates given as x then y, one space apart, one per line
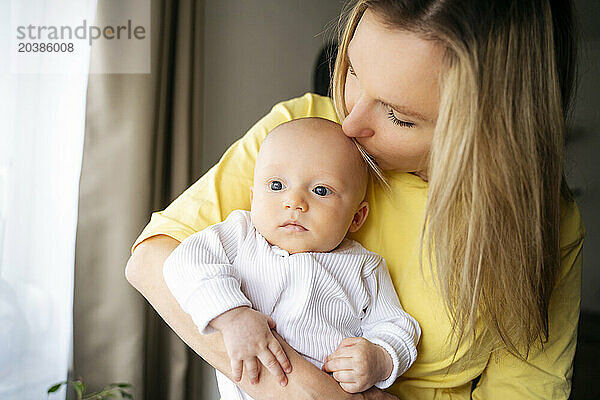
358 364
247 336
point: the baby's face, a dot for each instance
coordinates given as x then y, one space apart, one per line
309 185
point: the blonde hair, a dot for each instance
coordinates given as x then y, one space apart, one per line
496 163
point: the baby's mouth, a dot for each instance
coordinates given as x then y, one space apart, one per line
293 226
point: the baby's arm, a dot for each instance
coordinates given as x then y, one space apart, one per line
200 275
388 344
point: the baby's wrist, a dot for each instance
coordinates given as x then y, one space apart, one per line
227 317
385 363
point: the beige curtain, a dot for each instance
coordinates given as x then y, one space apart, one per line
142 148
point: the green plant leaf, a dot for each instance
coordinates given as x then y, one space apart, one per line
104 394
79 388
126 395
54 388
121 384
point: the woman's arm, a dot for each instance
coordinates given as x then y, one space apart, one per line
144 272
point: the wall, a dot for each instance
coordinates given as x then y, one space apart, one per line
583 160
258 53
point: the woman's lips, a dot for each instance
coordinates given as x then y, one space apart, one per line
293 226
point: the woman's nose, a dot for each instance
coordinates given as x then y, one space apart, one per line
356 124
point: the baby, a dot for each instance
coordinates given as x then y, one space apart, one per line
287 264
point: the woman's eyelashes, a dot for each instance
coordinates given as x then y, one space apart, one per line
390 111
397 121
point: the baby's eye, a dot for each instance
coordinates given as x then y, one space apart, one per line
276 185
322 191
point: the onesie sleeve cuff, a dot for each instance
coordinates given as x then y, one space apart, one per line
212 299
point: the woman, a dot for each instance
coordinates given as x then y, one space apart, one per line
462 105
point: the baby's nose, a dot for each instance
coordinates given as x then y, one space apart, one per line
295 203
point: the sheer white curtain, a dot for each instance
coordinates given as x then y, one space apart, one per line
42 119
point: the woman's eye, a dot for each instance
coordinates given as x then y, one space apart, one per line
351 70
276 185
322 191
397 121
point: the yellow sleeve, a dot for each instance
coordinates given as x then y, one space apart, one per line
547 373
226 186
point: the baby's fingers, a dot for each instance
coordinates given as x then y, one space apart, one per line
251 366
333 364
348 381
280 355
271 363
344 376
236 369
351 387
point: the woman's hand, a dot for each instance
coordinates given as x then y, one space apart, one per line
248 338
358 364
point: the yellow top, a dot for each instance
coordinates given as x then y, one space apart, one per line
393 230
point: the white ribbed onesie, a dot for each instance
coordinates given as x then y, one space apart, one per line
316 299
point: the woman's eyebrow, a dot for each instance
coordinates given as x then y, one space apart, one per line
401 109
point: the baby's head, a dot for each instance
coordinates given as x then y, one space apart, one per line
309 185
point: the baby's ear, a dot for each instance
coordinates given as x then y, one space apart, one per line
359 217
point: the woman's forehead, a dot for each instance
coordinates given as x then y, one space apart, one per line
395 66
